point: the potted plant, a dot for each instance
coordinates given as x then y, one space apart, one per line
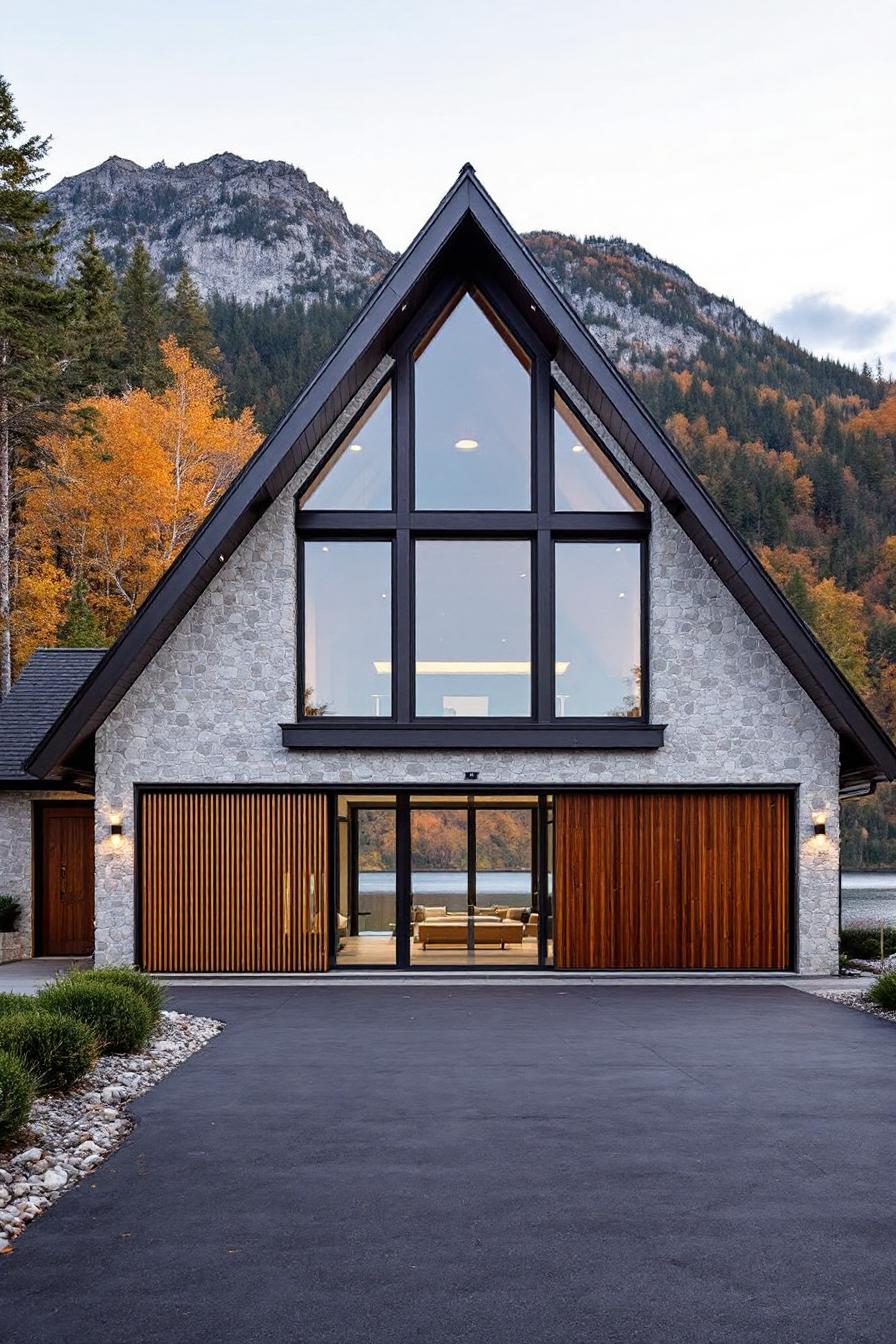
11 944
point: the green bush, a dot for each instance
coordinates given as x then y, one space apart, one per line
55 1050
119 1018
16 1096
862 941
883 991
149 990
9 913
17 1003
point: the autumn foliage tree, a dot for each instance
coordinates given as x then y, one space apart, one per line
124 496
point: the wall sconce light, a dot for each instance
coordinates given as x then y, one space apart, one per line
116 831
820 823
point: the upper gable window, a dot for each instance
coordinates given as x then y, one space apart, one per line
472 415
586 480
358 475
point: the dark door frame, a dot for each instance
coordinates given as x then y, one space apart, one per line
448 799
38 809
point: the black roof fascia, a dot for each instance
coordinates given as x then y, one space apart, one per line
868 749
257 485
867 753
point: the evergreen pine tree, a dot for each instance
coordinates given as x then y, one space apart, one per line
97 332
190 322
80 629
32 331
142 311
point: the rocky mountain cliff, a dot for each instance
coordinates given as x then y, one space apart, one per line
246 230
251 231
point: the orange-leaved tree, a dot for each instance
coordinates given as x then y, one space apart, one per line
120 499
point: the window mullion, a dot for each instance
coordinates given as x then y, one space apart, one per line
544 627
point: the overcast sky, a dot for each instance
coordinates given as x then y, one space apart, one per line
750 143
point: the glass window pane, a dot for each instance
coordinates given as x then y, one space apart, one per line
585 477
473 438
598 629
348 628
473 619
359 473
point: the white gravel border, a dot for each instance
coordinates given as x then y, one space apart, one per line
70 1133
852 998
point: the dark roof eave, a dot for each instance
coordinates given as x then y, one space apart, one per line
602 386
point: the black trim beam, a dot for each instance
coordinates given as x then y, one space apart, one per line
378 734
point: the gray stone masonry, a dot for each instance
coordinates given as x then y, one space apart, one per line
208 706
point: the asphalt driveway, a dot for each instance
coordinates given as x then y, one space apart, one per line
489 1164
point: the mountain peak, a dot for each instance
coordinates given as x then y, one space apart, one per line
244 229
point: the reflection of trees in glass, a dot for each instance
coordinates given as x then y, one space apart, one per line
631 704
376 840
439 840
309 708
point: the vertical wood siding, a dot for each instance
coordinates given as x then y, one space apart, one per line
234 882
672 880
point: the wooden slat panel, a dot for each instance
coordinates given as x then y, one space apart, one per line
234 882
672 881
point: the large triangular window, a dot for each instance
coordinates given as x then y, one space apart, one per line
358 474
586 479
472 414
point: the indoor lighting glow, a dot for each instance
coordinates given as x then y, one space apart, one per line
471 668
356 447
467 445
578 448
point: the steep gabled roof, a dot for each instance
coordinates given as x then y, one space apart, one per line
467 223
45 686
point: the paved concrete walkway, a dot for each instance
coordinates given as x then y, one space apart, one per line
27 976
586 1165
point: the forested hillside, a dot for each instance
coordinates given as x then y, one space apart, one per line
163 314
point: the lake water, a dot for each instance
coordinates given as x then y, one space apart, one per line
868 898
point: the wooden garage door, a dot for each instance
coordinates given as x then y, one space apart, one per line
233 882
672 880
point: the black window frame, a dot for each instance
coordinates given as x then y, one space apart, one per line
541 525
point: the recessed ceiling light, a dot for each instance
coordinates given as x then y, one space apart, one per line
325 548
578 448
467 445
356 447
622 594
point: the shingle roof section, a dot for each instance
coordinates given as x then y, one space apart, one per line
45 686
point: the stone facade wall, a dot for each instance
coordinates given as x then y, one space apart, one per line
207 709
16 851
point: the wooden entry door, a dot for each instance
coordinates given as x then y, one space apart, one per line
234 881
673 881
66 881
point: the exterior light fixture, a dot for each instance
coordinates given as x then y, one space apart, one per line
820 823
471 774
578 448
116 830
356 447
467 445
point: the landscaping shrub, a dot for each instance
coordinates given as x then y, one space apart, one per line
16 1003
862 941
55 1050
119 1018
149 990
16 1096
9 913
883 991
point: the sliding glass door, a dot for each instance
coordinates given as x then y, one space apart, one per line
454 880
